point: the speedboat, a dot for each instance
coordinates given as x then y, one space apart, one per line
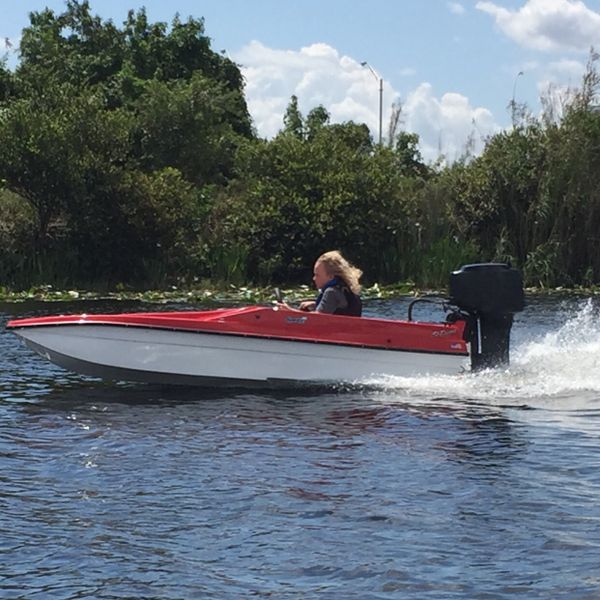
277 346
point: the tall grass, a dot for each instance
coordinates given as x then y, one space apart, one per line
229 263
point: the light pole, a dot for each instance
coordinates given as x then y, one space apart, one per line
366 64
513 104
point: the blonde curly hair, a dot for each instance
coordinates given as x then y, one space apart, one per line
338 266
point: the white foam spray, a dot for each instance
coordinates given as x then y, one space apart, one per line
559 368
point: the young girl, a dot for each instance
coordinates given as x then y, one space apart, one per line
338 284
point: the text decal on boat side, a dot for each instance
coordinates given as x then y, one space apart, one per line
297 320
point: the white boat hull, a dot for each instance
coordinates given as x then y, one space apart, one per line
198 358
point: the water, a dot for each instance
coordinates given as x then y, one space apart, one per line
475 486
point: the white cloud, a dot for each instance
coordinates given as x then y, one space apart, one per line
407 72
318 74
548 24
445 124
558 83
555 98
456 7
571 69
529 65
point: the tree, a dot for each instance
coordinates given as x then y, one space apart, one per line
292 120
495 195
57 148
187 124
94 114
406 148
296 197
394 123
81 49
315 120
6 82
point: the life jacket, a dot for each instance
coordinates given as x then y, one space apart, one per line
353 302
354 306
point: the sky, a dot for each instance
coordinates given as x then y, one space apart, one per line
453 66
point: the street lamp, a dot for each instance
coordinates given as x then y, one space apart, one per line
366 64
513 103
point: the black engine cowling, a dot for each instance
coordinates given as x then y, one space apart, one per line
489 294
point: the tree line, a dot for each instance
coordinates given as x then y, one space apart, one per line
128 156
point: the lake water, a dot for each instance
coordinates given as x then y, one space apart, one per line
475 486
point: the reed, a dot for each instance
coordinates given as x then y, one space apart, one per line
229 264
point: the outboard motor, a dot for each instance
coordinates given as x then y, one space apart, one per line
489 294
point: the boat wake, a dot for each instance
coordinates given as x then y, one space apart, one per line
553 368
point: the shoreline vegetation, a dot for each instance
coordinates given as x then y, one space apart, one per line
200 294
129 161
231 294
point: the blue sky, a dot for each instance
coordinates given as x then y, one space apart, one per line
453 65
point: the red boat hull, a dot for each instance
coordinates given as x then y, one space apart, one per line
251 344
